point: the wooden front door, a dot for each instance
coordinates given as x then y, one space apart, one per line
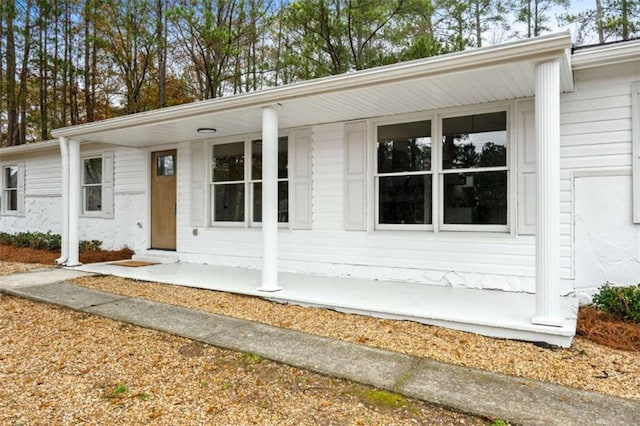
163 199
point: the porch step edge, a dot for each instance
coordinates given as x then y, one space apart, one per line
156 258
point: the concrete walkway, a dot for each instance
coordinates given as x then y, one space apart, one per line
517 400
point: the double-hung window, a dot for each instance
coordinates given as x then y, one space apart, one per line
10 189
474 171
228 182
92 185
404 175
457 179
256 180
236 182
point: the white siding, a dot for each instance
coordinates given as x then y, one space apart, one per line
128 226
478 260
43 175
43 203
596 144
328 177
129 171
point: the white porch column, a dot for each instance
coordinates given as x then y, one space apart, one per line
64 163
269 200
547 124
74 202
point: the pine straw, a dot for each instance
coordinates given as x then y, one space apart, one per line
48 257
605 329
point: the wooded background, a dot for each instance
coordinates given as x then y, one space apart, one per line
76 61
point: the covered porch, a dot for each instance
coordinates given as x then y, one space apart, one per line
493 313
538 69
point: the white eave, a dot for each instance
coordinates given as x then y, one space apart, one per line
476 76
606 54
30 147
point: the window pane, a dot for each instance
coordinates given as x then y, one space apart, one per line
283 202
165 165
404 147
256 158
475 198
12 200
405 199
93 198
475 141
11 177
228 162
229 202
93 171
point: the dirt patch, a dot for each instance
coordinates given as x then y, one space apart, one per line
604 329
48 257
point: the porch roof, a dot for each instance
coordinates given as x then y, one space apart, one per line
493 73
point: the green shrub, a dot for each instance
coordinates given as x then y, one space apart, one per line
5 239
93 245
22 239
43 241
621 302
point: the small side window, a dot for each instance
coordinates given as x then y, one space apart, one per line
10 189
92 185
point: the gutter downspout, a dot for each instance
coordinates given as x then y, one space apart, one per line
64 246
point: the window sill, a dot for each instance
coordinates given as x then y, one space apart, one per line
471 235
91 215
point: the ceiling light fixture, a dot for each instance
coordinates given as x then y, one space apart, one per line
206 130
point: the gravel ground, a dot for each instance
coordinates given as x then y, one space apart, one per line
7 268
584 365
62 367
93 370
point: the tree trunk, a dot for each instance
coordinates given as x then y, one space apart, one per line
12 107
625 20
478 24
43 77
600 21
89 16
161 40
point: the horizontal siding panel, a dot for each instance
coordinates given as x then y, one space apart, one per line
611 148
129 170
601 126
596 137
327 162
596 162
596 116
595 103
43 176
584 91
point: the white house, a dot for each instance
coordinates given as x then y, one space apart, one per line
512 167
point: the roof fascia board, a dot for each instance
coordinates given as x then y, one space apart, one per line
30 147
606 55
536 49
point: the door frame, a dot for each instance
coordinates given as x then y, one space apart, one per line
147 184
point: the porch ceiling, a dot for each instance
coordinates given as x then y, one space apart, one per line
473 77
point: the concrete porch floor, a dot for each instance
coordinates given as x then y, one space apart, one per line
488 312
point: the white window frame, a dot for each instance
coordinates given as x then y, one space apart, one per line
376 175
437 172
211 192
635 135
83 186
506 168
247 181
4 197
255 224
